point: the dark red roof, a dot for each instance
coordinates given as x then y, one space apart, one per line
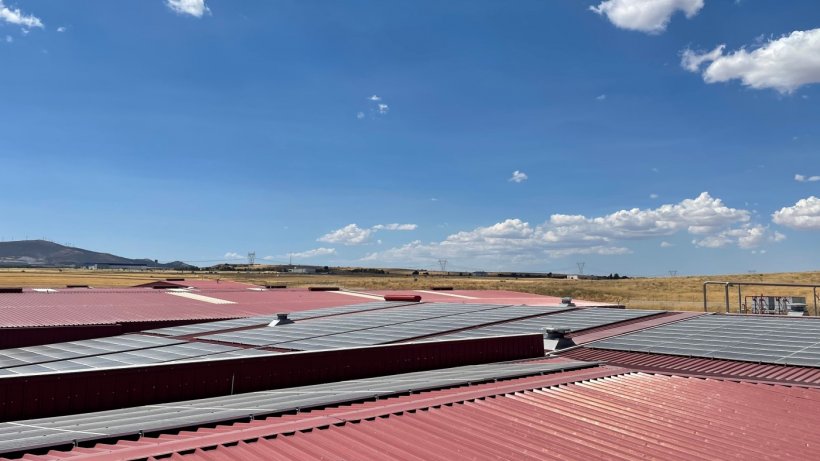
574 416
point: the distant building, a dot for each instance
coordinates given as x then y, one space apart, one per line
302 270
572 277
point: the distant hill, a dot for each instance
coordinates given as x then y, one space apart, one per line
42 253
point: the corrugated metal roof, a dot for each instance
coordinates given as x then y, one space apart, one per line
95 306
626 416
489 296
698 366
109 306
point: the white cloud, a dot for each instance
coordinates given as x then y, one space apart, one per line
61 29
196 8
383 109
801 178
9 39
706 217
744 237
396 227
348 235
17 17
653 196
804 215
600 97
650 16
359 115
233 255
783 64
313 253
666 244
518 177
375 98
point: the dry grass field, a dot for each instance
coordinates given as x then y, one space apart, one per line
674 293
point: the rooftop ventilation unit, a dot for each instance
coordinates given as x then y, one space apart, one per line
407 298
276 286
281 319
555 338
566 301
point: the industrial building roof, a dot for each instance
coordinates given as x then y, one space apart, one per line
783 340
206 300
576 415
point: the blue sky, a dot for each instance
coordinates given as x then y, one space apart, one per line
637 137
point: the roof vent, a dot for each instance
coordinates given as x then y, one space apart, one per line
407 298
566 301
77 286
275 286
555 338
441 288
323 289
281 319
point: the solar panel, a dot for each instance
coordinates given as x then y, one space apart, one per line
791 341
209 327
46 432
174 351
377 327
78 349
577 320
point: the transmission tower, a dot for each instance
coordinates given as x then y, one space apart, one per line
251 258
443 264
581 268
673 273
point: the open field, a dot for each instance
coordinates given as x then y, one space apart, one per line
675 293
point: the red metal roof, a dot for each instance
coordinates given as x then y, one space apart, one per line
108 306
697 366
625 416
487 296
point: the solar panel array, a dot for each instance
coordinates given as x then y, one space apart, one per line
790 341
32 434
113 352
581 319
377 327
208 327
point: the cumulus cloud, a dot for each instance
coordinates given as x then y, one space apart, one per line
518 177
9 39
313 253
650 16
804 215
744 237
233 255
783 64
359 115
352 234
666 244
712 222
348 235
196 8
383 109
17 17
801 178
375 98
61 29
600 97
